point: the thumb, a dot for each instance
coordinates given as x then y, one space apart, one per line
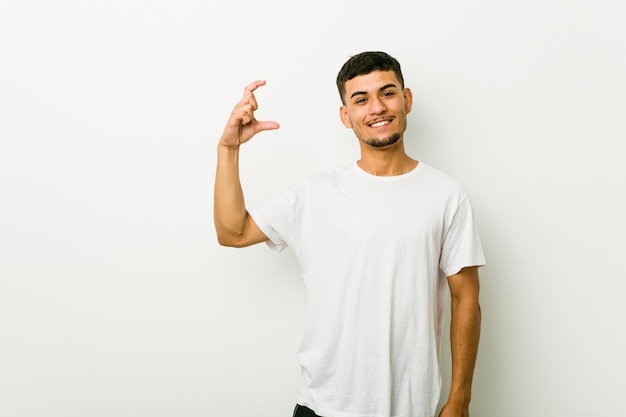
266 125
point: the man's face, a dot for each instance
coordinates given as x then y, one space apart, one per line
376 108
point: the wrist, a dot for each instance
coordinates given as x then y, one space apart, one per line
459 399
227 147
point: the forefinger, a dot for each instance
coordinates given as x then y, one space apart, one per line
251 87
248 96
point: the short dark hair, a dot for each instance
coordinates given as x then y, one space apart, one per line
364 63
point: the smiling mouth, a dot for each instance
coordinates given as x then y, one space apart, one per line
380 123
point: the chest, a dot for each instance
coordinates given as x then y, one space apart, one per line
387 214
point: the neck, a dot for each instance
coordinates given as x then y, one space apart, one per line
386 162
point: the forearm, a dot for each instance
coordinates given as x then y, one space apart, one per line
228 200
464 339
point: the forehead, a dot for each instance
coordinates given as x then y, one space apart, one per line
372 82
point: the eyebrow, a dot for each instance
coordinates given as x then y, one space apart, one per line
384 87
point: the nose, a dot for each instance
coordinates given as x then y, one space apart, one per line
377 106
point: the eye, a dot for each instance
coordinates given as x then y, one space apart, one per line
359 101
388 93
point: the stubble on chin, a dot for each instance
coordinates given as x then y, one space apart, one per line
384 142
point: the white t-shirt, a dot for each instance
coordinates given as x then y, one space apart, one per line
374 253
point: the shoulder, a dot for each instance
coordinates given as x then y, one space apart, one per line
321 181
440 180
330 176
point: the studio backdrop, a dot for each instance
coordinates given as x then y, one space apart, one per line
115 297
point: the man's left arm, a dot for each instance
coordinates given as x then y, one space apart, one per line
464 337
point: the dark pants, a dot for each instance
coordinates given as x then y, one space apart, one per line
302 411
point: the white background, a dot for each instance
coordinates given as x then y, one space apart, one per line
115 298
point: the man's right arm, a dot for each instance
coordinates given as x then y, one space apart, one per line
234 226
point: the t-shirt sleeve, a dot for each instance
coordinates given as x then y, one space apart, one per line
281 218
461 245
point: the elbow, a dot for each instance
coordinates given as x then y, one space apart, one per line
223 242
467 303
227 240
239 235
226 234
232 240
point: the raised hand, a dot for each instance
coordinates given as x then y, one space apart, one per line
242 125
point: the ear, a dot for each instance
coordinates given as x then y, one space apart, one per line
343 115
408 100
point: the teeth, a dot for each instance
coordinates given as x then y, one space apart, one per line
381 123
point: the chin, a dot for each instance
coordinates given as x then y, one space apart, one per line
383 143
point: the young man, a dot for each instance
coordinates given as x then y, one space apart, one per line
379 243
